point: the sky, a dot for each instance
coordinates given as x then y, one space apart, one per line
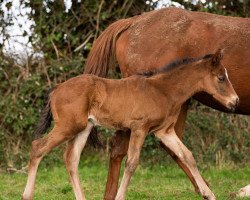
17 45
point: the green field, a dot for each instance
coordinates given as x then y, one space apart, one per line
154 182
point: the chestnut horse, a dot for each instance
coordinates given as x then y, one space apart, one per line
148 41
152 105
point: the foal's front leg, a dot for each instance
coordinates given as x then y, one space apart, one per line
119 148
171 140
135 144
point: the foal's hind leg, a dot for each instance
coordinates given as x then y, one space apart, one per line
119 148
172 142
135 144
72 158
39 149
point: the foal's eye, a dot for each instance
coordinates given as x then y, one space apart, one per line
221 78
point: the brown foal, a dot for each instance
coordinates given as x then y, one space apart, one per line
148 102
158 37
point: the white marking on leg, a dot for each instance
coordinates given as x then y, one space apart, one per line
135 144
82 137
93 119
39 149
75 154
29 189
123 187
172 141
244 192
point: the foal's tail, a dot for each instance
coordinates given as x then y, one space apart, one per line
45 119
102 54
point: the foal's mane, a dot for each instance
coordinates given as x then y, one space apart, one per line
173 65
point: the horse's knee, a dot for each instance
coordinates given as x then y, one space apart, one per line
66 156
70 165
69 159
131 164
37 148
131 167
189 158
119 145
116 154
180 124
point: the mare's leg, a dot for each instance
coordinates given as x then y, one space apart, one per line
171 141
180 124
119 147
39 149
72 157
135 144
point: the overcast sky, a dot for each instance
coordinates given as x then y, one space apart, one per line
18 44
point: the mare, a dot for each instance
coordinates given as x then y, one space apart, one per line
148 41
152 105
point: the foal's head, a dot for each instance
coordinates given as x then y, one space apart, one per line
217 83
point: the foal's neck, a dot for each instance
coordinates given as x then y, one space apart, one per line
183 82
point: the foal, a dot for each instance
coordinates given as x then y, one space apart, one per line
144 103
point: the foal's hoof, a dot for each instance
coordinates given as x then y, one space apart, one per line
209 197
26 198
109 197
244 192
120 198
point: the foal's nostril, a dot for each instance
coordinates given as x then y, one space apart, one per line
237 101
233 104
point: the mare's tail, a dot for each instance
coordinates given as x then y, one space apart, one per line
45 119
102 57
102 54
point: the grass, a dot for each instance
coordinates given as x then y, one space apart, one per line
156 182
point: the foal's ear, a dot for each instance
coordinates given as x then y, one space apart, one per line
217 57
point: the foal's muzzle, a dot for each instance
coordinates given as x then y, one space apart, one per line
233 104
